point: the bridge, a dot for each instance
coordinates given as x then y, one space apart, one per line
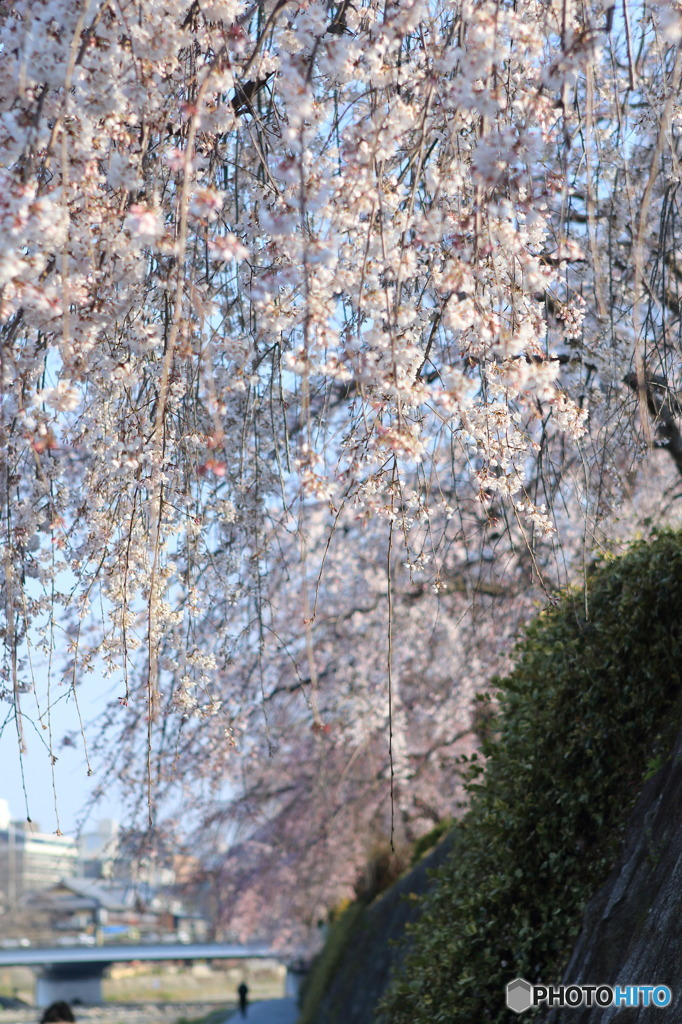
74 973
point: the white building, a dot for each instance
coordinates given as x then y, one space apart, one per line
99 849
30 859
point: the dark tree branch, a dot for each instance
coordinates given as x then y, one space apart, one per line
663 405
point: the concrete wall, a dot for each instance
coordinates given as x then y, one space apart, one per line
631 932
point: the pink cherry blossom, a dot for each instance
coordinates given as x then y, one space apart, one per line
334 340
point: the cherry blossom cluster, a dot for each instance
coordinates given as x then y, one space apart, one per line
319 321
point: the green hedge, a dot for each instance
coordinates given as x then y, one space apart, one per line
592 705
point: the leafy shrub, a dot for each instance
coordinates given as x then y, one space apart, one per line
594 699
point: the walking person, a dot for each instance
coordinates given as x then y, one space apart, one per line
243 993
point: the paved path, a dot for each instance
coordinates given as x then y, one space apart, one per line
271 1011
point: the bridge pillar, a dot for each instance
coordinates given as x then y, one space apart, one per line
74 983
294 979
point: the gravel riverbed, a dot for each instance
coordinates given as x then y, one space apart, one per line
128 1013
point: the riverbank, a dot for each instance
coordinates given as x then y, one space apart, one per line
162 993
131 1013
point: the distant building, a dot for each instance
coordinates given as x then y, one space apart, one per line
113 911
151 866
106 911
30 859
107 885
99 849
84 906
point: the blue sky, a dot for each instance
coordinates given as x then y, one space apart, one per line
67 782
